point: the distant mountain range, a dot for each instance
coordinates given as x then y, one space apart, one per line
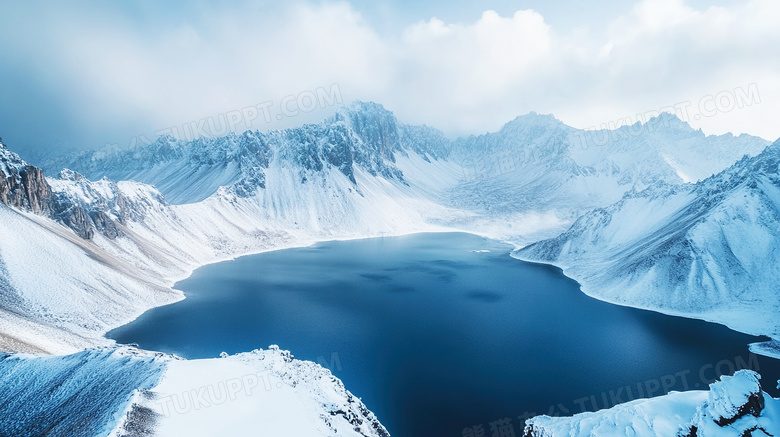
178 205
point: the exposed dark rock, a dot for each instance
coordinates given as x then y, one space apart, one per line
105 225
24 187
74 217
754 406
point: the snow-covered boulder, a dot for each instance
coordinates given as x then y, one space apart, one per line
734 406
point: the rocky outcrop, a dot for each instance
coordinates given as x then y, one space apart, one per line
23 186
83 206
734 402
74 217
734 406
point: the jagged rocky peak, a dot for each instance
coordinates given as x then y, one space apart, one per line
67 174
88 206
380 130
72 200
9 158
375 125
361 116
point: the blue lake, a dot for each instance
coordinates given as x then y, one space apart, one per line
437 338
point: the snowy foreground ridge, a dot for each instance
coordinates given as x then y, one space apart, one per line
734 406
659 216
123 392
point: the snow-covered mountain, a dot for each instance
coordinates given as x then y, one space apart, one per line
537 165
356 175
734 406
362 137
525 182
79 204
553 164
707 250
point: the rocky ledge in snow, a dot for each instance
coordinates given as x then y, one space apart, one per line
124 392
734 406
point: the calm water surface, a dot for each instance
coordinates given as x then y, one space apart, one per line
435 337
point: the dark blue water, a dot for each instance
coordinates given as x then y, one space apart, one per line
436 338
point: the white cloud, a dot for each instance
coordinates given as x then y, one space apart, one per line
461 77
469 70
665 53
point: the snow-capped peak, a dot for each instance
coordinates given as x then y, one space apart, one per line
668 121
533 118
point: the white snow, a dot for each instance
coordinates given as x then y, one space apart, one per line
265 391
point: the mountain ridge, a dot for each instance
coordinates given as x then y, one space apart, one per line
704 250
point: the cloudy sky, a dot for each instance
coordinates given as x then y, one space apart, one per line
88 74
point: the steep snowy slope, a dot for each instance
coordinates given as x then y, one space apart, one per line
78 395
128 392
709 250
734 406
60 291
